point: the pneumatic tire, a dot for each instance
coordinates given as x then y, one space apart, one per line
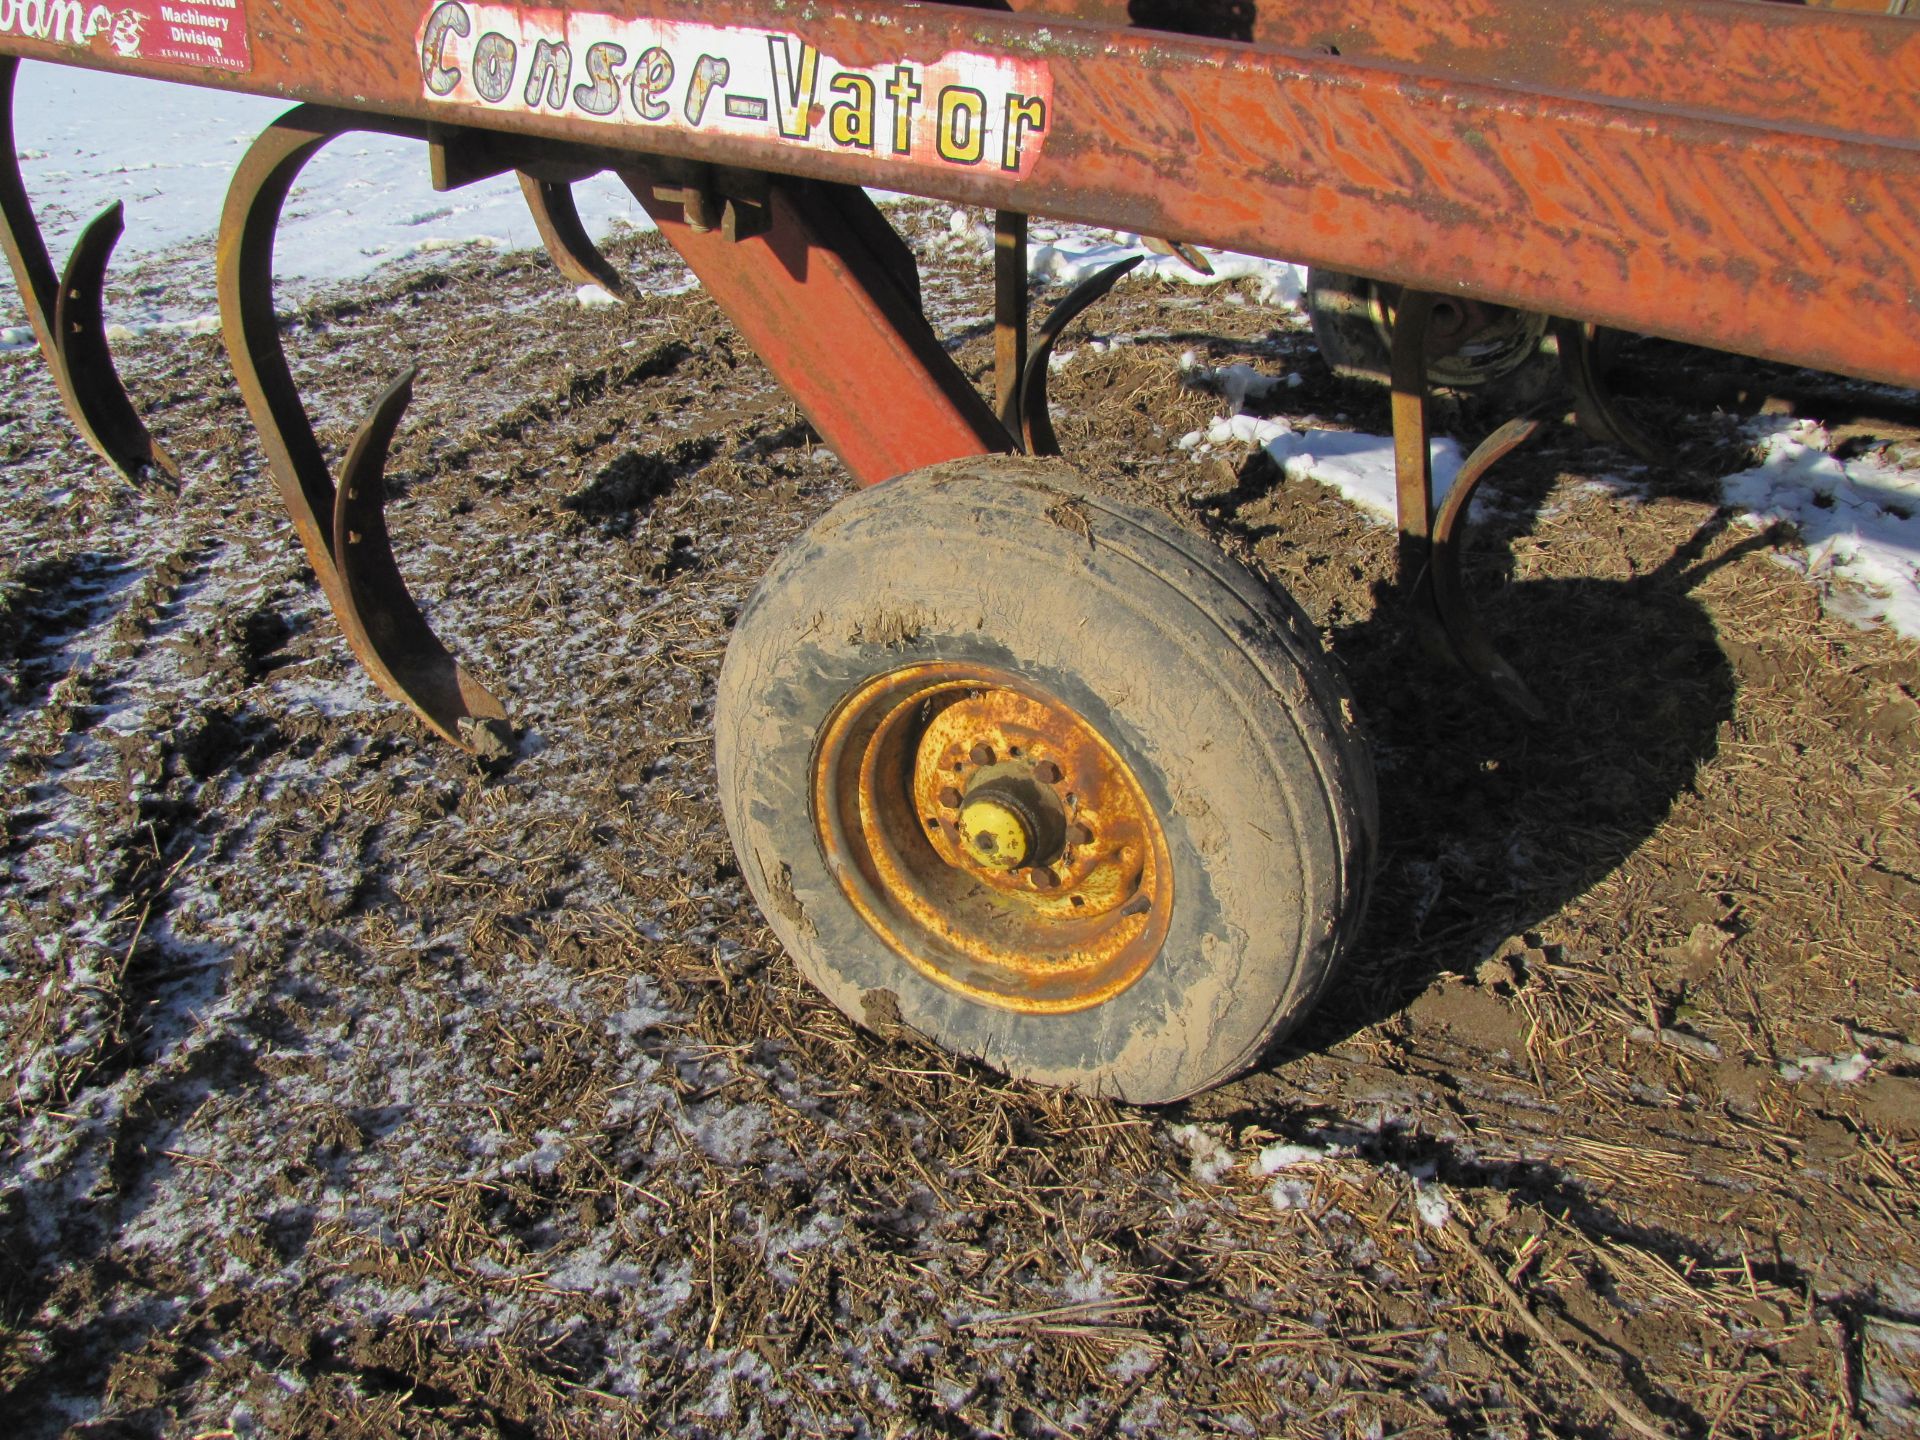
1046 777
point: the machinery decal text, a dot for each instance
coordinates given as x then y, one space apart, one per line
962 110
208 33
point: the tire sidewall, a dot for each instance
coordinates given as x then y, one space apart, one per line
1102 627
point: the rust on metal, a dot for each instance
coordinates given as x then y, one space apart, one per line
344 532
1034 895
1464 631
1628 185
383 623
715 197
827 313
566 240
1429 558
1009 313
1763 62
1188 255
1412 454
67 318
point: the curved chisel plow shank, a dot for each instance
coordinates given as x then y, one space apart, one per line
342 528
67 316
1485 168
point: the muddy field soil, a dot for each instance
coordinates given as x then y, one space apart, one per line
353 1088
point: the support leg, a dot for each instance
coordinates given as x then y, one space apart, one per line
67 317
1009 312
828 313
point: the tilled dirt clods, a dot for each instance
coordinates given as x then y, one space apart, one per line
355 1089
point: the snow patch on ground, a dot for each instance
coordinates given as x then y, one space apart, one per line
1358 466
1833 1070
1858 523
1430 1202
1210 1161
1064 255
1070 254
1273 1158
1236 383
207 324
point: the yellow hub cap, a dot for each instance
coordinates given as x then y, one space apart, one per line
995 834
992 838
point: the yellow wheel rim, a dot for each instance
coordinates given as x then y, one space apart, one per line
992 838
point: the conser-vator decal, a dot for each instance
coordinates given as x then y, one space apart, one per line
964 110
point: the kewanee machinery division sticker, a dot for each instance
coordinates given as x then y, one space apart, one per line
207 34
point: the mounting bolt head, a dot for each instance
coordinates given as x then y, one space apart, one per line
982 755
1047 773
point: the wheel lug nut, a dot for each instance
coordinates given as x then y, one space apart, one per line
951 798
1047 773
1041 878
982 755
1079 835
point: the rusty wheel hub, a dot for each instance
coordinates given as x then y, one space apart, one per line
993 838
1469 342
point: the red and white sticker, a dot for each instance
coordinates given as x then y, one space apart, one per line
211 34
962 111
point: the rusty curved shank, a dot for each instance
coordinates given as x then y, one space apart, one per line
1464 631
344 532
1026 413
67 316
568 245
1430 543
1593 402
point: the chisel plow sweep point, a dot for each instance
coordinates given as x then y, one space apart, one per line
572 251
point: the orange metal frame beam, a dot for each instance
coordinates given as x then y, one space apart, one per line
1569 171
1781 64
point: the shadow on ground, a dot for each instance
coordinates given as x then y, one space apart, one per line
1490 822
